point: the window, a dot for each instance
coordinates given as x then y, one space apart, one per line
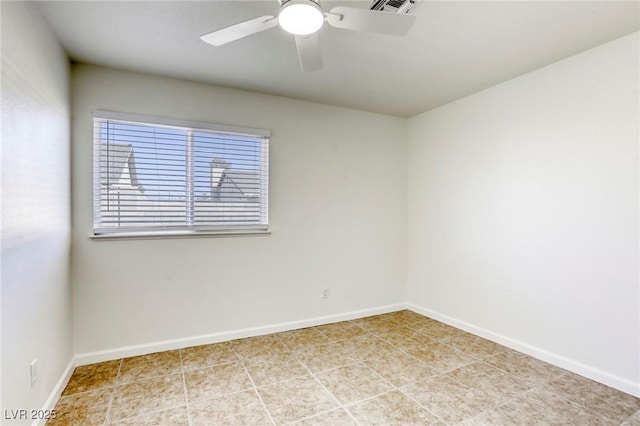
157 176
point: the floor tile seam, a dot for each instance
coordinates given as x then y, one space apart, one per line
591 384
364 364
411 381
255 390
410 323
448 370
318 414
491 405
352 351
184 388
281 340
326 370
474 355
343 339
106 406
629 418
536 382
430 342
441 376
107 419
252 359
509 400
331 395
144 398
353 417
584 407
497 404
425 408
378 374
389 342
509 374
472 386
451 347
195 401
416 327
101 388
336 340
145 378
360 326
233 349
293 348
516 397
423 335
405 352
438 371
244 358
355 361
172 407
300 351
324 334
107 414
189 370
360 401
436 341
288 379
478 415
239 354
276 381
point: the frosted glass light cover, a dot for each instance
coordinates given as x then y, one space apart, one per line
301 17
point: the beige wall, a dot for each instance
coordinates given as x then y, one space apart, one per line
36 216
337 208
523 213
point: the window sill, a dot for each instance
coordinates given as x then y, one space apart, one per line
177 234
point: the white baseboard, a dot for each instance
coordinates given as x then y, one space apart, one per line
51 402
127 351
600 376
123 352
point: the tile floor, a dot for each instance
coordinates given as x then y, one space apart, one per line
398 368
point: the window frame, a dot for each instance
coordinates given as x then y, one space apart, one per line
186 231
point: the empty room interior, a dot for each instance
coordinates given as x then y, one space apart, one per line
415 212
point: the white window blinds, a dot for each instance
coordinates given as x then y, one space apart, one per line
156 175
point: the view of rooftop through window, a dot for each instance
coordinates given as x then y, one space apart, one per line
149 175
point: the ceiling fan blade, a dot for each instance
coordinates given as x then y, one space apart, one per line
309 52
370 21
238 31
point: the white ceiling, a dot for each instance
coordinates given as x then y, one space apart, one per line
455 48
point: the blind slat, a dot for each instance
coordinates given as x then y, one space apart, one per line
141 180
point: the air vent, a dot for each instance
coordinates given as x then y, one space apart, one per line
395 6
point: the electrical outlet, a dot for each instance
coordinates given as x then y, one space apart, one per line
33 371
325 293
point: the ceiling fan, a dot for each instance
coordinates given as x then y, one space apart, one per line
303 19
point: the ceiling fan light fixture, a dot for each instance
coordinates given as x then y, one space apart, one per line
301 17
